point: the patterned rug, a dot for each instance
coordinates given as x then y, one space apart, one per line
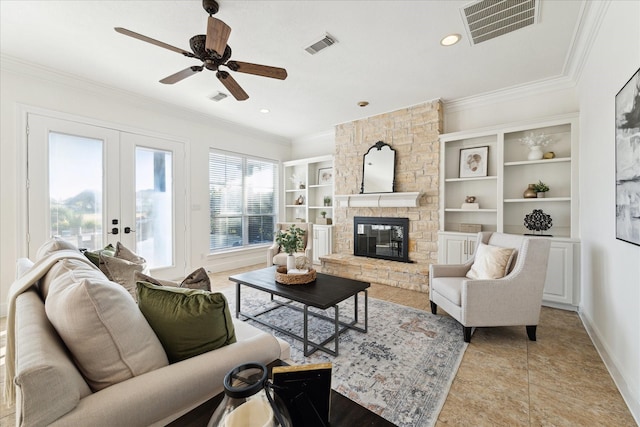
401 369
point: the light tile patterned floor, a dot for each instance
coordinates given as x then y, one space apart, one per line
505 379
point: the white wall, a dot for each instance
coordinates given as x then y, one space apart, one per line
25 85
610 267
318 144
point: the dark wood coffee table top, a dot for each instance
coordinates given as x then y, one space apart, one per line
326 291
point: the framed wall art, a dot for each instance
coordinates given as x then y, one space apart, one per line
325 176
628 161
473 162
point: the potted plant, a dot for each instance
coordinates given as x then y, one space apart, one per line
327 201
540 189
324 220
291 241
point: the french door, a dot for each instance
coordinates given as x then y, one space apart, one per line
92 186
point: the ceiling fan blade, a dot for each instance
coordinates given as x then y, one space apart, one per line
217 36
232 86
153 41
180 75
258 70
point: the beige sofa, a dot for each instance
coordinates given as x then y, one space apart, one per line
50 387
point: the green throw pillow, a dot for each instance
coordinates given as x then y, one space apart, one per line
187 322
94 256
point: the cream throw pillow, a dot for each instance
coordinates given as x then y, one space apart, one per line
104 330
491 262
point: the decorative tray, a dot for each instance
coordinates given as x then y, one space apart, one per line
294 279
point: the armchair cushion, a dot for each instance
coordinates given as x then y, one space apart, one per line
491 262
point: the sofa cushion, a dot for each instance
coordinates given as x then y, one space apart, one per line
188 322
94 256
66 267
52 245
122 271
490 262
199 279
48 383
105 332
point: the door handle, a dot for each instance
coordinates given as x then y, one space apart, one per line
128 230
114 230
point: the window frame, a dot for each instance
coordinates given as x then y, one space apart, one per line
244 215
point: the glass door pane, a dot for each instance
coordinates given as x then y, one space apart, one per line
154 200
69 188
75 189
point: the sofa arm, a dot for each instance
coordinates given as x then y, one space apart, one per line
163 395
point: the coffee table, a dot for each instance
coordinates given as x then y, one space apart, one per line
325 292
344 411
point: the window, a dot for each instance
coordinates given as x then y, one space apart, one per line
242 200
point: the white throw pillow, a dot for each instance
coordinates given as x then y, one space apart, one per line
491 262
104 330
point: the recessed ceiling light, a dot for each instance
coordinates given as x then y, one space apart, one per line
450 40
264 110
363 103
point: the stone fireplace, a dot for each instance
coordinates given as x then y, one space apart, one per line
413 132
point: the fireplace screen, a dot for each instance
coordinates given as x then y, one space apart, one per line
385 238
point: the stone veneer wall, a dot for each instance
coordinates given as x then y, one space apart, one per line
413 132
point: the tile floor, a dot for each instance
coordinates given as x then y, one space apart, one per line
505 379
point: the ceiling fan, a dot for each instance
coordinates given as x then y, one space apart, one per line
214 52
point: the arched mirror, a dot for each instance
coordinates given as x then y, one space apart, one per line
379 168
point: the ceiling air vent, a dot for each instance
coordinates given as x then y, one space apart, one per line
218 97
326 41
487 19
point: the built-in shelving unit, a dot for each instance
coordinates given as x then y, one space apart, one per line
311 186
308 189
502 206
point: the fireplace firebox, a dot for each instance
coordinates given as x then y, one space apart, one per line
381 237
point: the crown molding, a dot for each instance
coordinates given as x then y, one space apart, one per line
509 94
17 66
322 136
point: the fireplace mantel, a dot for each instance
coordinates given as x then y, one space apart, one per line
378 200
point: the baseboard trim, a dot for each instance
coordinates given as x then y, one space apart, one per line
610 363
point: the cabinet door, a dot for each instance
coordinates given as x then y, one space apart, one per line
559 282
456 249
321 242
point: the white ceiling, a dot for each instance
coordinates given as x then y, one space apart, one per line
388 54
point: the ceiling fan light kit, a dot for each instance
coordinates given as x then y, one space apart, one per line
214 52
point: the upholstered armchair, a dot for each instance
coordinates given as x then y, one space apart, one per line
277 257
500 286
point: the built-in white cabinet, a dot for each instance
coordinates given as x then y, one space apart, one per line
322 241
308 189
499 194
455 248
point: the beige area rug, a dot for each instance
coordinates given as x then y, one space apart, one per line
401 369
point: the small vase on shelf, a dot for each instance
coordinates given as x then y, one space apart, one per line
530 192
535 153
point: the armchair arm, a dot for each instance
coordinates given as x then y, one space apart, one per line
272 251
449 270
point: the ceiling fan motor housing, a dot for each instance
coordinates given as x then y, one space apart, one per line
210 6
